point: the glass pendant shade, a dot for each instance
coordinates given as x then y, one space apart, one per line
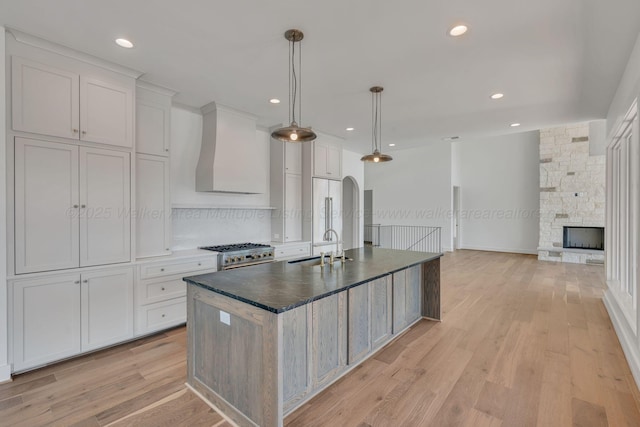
376 134
294 132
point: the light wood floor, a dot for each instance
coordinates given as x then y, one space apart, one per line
523 343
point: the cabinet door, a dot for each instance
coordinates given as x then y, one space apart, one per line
45 100
381 321
399 301
46 206
105 220
329 338
293 208
152 127
320 212
46 320
295 355
293 158
413 293
319 159
334 162
153 206
359 323
107 307
106 112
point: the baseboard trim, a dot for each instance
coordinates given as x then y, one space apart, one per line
626 338
506 250
5 373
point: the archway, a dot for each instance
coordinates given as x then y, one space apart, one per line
350 213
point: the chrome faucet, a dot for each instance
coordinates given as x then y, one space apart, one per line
331 230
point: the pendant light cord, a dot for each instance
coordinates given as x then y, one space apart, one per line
294 85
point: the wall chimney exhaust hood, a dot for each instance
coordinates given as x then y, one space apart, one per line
232 159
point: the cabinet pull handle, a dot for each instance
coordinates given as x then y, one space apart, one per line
85 281
77 282
84 132
75 206
75 130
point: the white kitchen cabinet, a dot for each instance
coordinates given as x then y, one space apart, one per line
161 292
153 119
153 206
294 250
327 159
107 307
45 99
286 191
71 206
45 320
46 206
64 103
105 201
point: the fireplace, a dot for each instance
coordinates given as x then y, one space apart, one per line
583 238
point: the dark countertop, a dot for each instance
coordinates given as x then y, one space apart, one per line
282 286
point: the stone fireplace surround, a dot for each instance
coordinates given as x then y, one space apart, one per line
572 191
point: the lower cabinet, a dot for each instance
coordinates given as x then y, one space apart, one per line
329 338
381 310
64 315
406 297
296 355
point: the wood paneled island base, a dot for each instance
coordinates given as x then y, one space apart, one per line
257 362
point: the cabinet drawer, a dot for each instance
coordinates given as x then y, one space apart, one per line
163 290
190 266
292 251
161 315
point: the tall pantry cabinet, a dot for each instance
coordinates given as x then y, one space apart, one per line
70 147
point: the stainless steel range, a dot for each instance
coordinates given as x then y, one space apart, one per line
241 254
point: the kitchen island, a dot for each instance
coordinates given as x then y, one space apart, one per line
263 340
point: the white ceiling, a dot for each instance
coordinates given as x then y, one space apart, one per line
556 61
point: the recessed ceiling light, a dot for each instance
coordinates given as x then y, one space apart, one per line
350 129
274 101
515 125
124 43
392 145
458 30
497 95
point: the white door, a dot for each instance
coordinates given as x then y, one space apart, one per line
46 320
293 207
107 307
335 198
152 128
106 112
46 206
320 209
153 206
456 218
105 220
45 100
334 167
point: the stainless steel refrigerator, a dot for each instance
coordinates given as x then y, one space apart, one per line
327 213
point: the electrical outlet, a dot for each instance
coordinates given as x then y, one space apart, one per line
225 317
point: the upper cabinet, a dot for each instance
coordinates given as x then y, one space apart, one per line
153 120
327 158
51 101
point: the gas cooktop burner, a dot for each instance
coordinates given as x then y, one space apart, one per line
235 247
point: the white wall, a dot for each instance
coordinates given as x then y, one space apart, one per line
499 192
352 166
198 227
5 371
414 189
628 90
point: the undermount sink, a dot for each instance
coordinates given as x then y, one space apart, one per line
315 261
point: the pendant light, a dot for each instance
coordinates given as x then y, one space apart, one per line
293 132
376 134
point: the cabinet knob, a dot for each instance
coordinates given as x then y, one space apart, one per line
162 269
75 130
77 282
167 249
166 149
85 281
84 132
199 263
83 206
163 315
75 206
162 289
